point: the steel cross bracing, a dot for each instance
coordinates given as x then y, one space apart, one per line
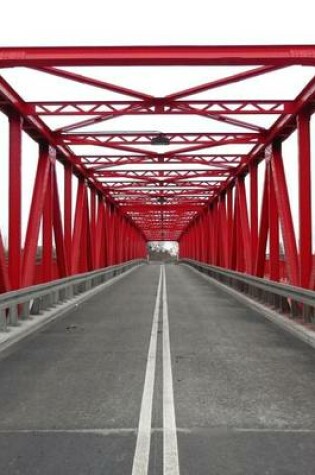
167 184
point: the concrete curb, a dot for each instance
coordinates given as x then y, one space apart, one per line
37 322
297 330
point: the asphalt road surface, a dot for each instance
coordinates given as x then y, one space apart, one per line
160 373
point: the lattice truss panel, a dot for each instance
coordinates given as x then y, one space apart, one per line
165 136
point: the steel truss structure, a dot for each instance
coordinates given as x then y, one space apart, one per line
153 185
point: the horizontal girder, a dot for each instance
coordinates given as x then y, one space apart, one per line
204 138
158 106
157 55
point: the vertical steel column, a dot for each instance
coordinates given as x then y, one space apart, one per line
285 215
99 238
305 199
47 229
218 233
117 241
110 221
263 226
93 226
229 210
213 234
274 263
62 262
36 211
234 260
15 205
223 232
254 211
244 227
68 212
207 220
78 229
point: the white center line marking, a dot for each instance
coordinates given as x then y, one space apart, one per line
170 449
142 451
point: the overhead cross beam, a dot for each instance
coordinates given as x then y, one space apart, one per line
157 55
148 100
159 106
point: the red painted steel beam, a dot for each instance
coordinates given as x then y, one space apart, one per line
15 199
157 55
254 212
244 224
226 139
155 187
284 210
60 241
175 138
48 226
35 215
305 198
79 228
224 162
109 172
159 106
264 225
169 175
223 82
223 118
92 82
274 261
156 191
229 224
111 145
96 120
68 212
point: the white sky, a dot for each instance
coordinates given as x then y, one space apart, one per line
118 22
138 22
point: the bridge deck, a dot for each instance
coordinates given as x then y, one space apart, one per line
243 389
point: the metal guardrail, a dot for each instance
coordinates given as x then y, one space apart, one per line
18 305
295 301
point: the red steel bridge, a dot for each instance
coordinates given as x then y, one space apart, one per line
180 185
226 187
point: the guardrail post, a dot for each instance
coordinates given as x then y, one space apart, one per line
35 307
25 311
54 298
3 320
13 315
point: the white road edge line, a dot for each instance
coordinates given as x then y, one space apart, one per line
170 448
142 452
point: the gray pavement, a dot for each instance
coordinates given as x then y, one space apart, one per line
70 395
